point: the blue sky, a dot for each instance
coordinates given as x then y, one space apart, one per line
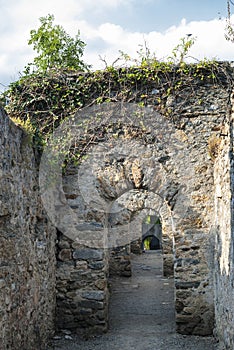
151 15
108 26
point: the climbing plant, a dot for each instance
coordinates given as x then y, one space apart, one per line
47 99
54 92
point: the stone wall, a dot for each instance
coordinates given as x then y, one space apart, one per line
27 259
139 162
120 261
224 239
166 170
82 269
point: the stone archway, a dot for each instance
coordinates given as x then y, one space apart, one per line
129 228
151 233
133 171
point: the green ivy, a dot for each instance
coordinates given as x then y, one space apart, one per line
45 99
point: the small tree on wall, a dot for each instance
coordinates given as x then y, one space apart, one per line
55 48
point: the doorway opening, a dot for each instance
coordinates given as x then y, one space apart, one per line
151 233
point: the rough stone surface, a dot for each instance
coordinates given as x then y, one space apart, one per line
169 175
224 244
82 293
180 170
141 314
27 247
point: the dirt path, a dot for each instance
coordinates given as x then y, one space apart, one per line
141 314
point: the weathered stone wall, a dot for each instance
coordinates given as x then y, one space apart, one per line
167 171
82 269
120 261
224 239
140 163
27 259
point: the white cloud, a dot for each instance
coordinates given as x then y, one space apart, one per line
18 17
210 41
109 3
111 33
30 10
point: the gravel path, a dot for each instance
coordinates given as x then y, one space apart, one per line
141 314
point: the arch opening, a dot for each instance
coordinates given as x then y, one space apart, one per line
115 192
151 233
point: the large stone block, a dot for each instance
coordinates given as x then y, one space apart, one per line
88 254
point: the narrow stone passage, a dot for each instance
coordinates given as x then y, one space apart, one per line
141 314
142 306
